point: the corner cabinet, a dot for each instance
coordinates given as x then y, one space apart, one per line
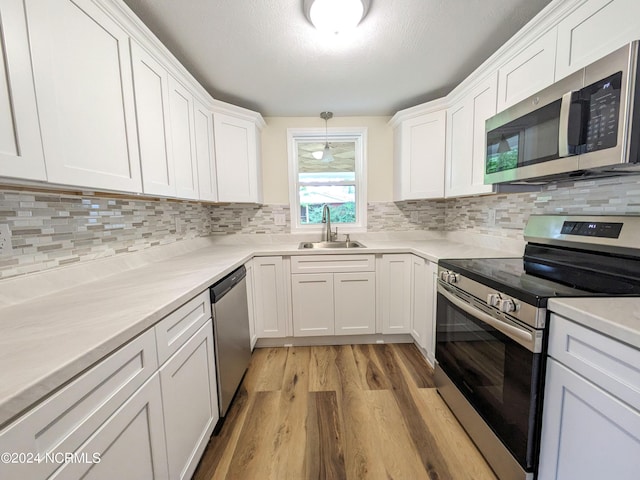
21 154
394 292
205 152
237 150
271 295
466 140
84 89
419 156
591 415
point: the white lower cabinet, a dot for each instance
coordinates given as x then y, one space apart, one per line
86 416
190 403
130 444
423 304
355 303
394 293
125 418
271 294
337 299
591 414
251 303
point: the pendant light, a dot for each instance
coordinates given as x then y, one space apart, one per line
326 153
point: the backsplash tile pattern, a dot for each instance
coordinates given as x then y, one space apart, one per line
407 215
606 196
54 229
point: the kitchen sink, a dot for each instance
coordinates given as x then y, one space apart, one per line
350 244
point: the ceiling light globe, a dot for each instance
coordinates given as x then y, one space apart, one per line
335 16
317 154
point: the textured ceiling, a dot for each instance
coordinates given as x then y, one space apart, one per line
265 55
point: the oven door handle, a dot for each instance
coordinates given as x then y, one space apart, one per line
524 337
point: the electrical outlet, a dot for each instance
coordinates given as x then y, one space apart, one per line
244 222
491 217
279 219
415 217
5 240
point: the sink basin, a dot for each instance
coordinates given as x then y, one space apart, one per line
353 244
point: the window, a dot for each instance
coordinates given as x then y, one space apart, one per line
339 183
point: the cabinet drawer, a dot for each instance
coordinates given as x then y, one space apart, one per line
179 326
64 421
332 263
612 365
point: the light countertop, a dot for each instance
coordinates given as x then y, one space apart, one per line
47 340
618 317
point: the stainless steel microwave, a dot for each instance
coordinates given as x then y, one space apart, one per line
587 124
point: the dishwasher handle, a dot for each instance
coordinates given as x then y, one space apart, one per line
222 287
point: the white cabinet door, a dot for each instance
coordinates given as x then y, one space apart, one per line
182 139
595 29
419 300
251 303
586 432
151 86
21 153
67 420
312 304
271 297
205 153
529 71
419 157
466 140
84 89
459 160
355 303
237 159
131 444
394 279
431 293
190 402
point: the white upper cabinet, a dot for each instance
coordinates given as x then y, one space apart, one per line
595 29
84 89
20 144
237 146
151 84
205 153
466 140
527 72
419 157
183 140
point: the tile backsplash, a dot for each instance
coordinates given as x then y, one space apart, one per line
54 229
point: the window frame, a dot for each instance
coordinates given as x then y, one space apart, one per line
336 134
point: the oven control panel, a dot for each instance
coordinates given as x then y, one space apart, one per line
592 229
502 303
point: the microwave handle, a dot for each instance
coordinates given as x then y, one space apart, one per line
572 120
563 130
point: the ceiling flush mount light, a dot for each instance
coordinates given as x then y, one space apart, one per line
326 153
336 16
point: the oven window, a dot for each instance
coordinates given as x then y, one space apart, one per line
497 375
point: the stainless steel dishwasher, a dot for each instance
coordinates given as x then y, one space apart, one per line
231 334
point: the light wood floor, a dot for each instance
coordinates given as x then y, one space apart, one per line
345 412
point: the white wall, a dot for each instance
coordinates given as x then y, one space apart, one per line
275 171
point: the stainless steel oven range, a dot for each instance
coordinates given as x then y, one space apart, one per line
492 319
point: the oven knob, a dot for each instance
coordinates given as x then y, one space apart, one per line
453 278
508 305
493 299
444 276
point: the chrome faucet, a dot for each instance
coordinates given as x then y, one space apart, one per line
326 218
